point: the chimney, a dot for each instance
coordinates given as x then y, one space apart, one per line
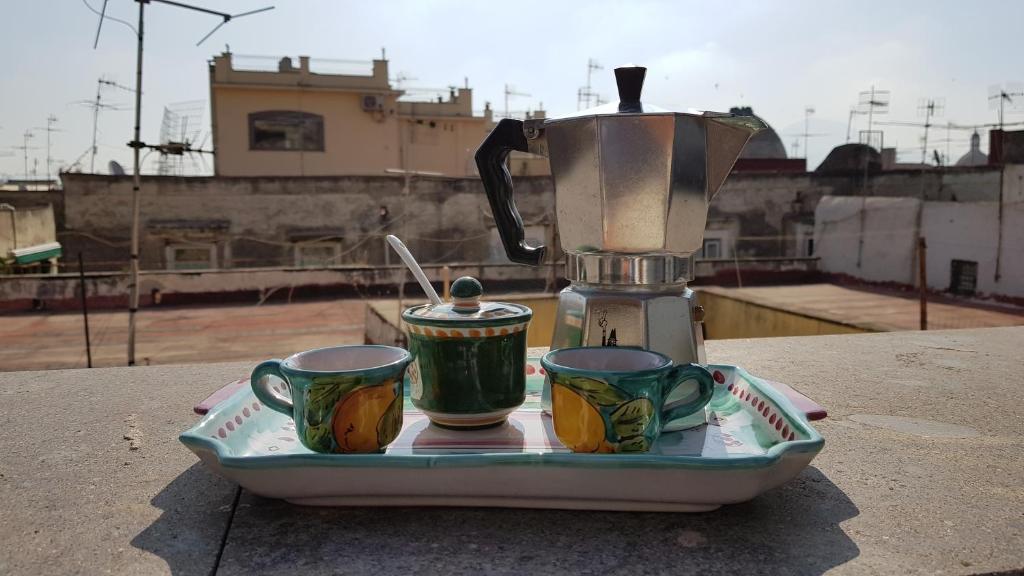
995 147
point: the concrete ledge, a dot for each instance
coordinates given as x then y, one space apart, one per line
920 474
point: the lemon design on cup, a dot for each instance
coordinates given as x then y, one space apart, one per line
579 425
367 419
577 402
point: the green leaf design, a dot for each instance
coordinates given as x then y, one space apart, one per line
319 438
323 395
638 444
390 423
598 392
632 418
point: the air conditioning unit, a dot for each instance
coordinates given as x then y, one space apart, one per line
373 102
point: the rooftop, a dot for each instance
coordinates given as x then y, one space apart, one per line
917 476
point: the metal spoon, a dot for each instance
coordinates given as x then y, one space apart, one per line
414 267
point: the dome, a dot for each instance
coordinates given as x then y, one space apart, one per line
849 158
763 144
974 156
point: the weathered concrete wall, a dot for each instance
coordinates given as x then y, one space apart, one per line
733 318
26 227
23 200
868 238
106 289
256 221
952 230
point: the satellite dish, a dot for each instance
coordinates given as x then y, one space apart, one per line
115 168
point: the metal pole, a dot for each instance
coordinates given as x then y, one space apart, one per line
136 144
49 120
85 311
95 119
24 148
922 280
999 226
871 113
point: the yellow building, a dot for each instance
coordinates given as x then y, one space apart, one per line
293 122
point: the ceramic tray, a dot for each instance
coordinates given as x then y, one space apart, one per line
755 439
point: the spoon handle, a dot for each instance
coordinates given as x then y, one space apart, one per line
414 267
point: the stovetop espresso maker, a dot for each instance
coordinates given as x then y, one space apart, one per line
632 187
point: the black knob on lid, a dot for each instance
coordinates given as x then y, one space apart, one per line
630 81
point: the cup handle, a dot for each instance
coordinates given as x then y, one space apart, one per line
261 387
676 377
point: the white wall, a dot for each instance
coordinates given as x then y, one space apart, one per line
952 230
888 234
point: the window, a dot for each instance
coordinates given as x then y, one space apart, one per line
191 256
712 249
317 254
963 277
286 130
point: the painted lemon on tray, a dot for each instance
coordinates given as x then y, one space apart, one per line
578 424
367 419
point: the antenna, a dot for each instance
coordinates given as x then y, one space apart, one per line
49 129
808 111
96 106
180 129
511 91
28 135
584 94
929 108
402 78
872 102
1009 96
137 145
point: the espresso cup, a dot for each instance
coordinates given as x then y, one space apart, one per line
611 399
343 399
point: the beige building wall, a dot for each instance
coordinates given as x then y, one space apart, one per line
31 227
355 142
436 137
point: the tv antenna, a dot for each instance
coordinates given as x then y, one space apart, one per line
179 132
28 135
49 129
1006 98
511 91
97 105
585 94
402 78
929 108
872 102
137 144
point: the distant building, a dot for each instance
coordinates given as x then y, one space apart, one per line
294 122
763 144
974 156
764 152
28 239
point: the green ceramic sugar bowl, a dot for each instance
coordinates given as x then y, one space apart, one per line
469 358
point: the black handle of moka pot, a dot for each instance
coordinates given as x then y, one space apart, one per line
490 161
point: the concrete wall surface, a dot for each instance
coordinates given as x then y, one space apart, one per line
967 231
61 291
868 238
734 318
259 221
29 226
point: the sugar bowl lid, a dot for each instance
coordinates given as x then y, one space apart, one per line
466 309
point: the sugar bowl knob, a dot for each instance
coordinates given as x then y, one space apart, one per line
466 292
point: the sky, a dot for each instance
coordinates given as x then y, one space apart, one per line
779 57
